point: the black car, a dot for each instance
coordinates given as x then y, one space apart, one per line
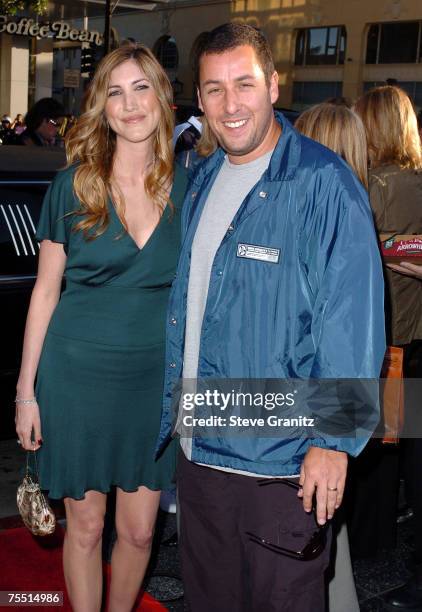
25 173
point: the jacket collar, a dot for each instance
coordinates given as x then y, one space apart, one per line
284 161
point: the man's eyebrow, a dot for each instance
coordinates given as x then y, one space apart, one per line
133 82
243 77
246 77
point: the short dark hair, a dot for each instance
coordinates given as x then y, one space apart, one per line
229 36
46 108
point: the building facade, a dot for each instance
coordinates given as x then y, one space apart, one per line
322 48
41 57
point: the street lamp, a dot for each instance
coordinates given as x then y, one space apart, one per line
109 7
107 26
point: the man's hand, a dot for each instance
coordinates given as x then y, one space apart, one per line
323 471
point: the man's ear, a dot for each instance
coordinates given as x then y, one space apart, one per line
274 87
198 93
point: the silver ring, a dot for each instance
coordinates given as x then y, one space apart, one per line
19 442
332 488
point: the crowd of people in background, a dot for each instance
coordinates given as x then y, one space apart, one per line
45 124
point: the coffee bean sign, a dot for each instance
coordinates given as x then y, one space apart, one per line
57 29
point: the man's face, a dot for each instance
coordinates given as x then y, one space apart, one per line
48 129
237 102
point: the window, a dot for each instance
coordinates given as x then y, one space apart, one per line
306 93
165 50
394 43
412 88
320 46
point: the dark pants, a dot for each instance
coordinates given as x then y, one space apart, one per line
373 486
222 570
371 499
412 447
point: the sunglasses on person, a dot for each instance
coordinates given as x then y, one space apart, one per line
56 124
316 543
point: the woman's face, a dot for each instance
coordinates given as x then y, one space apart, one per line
132 108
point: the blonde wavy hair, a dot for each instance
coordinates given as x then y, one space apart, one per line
207 142
92 143
340 129
391 127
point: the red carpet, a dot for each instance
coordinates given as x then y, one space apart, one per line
30 563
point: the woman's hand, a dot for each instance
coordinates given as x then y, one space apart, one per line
27 421
406 268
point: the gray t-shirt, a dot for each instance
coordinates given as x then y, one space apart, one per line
232 185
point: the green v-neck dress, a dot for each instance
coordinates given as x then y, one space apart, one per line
100 375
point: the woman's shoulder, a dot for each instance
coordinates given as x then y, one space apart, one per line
65 175
63 184
395 174
61 193
392 184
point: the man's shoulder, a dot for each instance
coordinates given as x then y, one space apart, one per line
325 181
307 160
319 157
203 166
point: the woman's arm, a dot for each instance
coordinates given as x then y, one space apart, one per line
45 296
406 268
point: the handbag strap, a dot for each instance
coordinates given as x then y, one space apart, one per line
36 474
36 480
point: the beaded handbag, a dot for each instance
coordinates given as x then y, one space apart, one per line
33 505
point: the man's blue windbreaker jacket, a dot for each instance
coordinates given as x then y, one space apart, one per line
317 313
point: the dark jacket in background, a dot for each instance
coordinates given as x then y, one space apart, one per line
396 201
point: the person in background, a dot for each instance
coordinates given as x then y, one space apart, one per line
395 188
18 124
339 128
340 100
187 134
43 122
6 132
111 223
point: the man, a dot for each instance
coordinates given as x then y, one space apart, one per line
43 122
279 278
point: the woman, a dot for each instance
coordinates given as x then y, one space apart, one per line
395 188
110 222
395 158
18 125
337 127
